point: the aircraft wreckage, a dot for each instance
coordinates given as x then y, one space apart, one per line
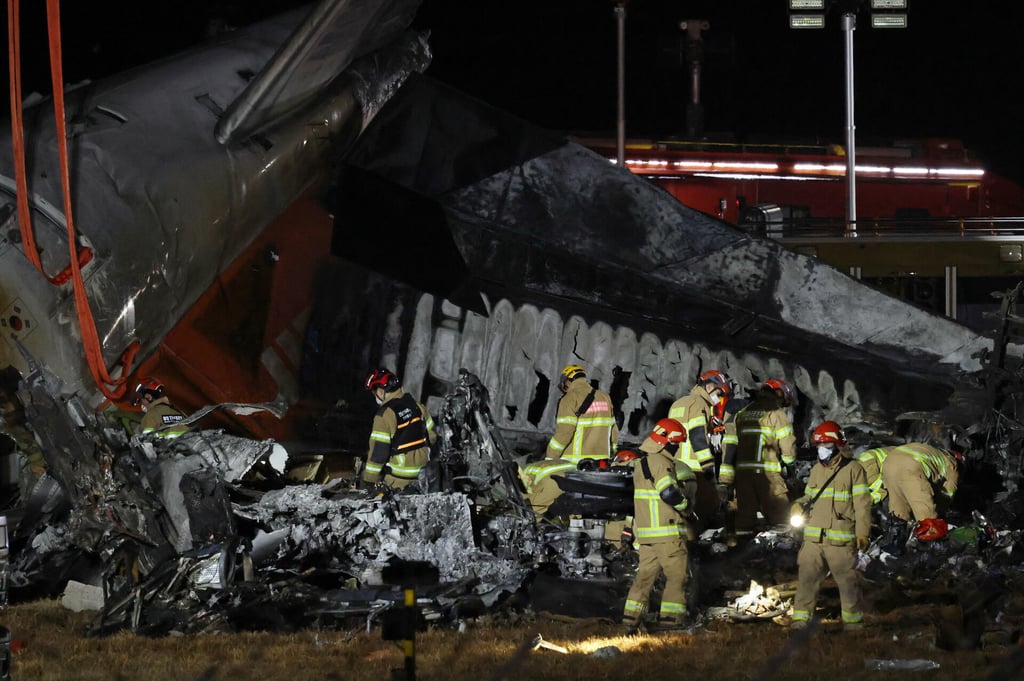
477 256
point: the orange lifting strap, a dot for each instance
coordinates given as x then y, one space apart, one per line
91 344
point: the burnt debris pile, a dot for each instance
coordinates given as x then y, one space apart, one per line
208 532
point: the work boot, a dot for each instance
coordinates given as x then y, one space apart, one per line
853 626
632 627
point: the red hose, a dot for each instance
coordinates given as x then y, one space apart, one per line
110 387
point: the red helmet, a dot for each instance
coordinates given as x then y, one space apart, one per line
625 456
147 386
668 431
828 431
931 528
788 392
720 379
382 378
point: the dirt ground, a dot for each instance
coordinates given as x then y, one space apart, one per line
49 643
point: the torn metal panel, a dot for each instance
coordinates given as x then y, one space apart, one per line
577 261
331 35
159 236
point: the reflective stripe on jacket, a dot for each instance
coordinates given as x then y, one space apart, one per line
654 520
871 461
766 439
694 411
939 465
843 511
402 431
591 435
163 420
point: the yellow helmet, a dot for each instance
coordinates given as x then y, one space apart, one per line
569 374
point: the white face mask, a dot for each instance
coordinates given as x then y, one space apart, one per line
379 401
715 398
825 453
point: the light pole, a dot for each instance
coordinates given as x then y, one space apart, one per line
849 25
884 14
620 118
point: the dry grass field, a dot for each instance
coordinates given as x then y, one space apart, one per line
50 644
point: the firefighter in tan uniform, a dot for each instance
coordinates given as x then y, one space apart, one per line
663 491
766 443
401 435
871 461
913 474
585 426
836 515
160 418
696 412
541 487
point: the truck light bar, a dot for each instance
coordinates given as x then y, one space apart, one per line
798 170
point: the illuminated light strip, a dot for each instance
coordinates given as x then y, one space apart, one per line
819 168
693 164
752 176
713 169
883 170
961 172
910 170
740 165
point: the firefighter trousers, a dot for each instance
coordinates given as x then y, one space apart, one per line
815 561
760 491
911 496
671 558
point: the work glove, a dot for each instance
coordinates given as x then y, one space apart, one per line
626 538
862 543
796 509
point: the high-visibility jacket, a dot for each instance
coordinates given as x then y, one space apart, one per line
654 520
400 438
871 461
843 511
590 435
939 465
541 488
162 420
766 439
694 412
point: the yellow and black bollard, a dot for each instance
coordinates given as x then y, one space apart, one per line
401 625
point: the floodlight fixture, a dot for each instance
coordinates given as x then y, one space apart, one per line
888 21
889 4
807 21
804 5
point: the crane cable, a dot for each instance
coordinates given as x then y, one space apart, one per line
91 343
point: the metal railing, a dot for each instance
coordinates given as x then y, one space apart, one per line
902 229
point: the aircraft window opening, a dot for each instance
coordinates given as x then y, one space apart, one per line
211 106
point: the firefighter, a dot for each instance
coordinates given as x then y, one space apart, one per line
663 492
913 473
766 443
160 417
401 435
585 426
541 488
697 412
835 512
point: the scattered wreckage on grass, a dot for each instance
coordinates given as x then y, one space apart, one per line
205 532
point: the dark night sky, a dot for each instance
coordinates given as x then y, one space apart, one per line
953 73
